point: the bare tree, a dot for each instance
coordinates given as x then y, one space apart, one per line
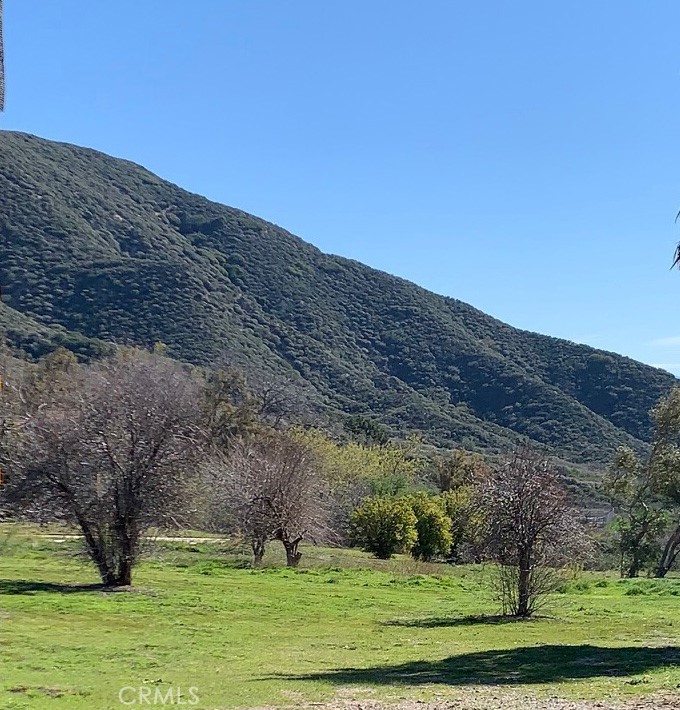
533 530
14 380
273 490
109 448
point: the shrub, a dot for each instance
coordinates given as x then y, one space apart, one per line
384 526
433 527
467 523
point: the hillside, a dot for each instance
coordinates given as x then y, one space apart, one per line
96 249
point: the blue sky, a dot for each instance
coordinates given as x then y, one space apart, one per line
521 155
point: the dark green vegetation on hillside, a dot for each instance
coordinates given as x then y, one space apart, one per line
253 638
95 249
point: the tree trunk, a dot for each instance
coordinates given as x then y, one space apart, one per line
105 572
258 545
670 553
125 544
523 592
293 555
97 553
124 573
113 554
636 564
637 561
524 585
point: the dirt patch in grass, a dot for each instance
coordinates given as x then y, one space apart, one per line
486 699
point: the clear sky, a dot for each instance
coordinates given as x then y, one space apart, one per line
521 155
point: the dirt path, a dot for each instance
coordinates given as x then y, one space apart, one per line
55 537
488 699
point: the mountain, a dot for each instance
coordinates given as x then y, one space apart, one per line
95 249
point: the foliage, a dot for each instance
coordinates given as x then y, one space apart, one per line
645 492
433 527
356 470
345 463
467 523
666 475
237 407
640 521
96 250
384 526
457 468
367 430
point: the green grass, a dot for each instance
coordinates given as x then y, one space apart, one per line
199 617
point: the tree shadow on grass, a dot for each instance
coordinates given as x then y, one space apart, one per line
525 665
435 622
22 586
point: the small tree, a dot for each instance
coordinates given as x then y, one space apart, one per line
367 430
533 530
433 527
456 469
236 407
645 493
109 447
275 493
640 521
384 526
665 473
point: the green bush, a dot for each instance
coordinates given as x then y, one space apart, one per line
467 521
384 526
433 527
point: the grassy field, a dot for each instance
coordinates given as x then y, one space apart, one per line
198 617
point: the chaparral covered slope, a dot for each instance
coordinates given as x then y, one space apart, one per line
95 249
